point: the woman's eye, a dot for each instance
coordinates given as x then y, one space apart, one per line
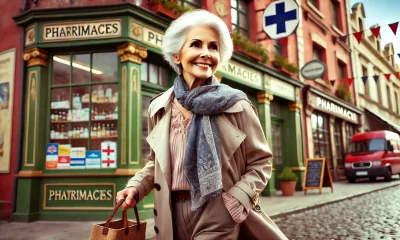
195 44
214 47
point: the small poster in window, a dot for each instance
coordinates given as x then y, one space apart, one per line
108 154
64 152
93 159
51 155
78 158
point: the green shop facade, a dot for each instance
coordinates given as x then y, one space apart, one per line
90 73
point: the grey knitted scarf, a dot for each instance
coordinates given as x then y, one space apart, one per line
202 160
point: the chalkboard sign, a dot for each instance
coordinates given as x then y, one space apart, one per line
317 175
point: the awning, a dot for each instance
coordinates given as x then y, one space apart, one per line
395 126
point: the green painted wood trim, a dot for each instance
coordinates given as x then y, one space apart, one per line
28 199
270 189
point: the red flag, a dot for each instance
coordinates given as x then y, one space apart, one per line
394 26
358 36
349 81
397 74
375 31
284 41
387 76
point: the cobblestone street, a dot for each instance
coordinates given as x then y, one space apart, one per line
371 216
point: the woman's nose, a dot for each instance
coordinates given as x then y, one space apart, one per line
205 54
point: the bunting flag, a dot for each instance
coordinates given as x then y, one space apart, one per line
284 41
344 38
387 76
332 82
358 36
364 79
397 74
375 31
376 78
350 81
394 26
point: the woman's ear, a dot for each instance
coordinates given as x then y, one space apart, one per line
177 60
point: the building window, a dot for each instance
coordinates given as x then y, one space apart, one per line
315 3
278 47
320 128
365 74
191 3
389 95
335 12
84 109
360 25
240 19
153 73
341 74
350 130
339 143
276 143
396 98
378 47
319 54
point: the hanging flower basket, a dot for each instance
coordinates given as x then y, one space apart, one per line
162 10
281 64
245 46
169 8
242 50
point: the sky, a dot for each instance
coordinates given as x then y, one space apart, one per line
383 12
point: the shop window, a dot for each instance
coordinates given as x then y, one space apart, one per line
319 54
341 74
315 3
322 144
396 98
145 125
366 87
339 142
154 73
335 12
276 143
83 111
360 25
350 130
389 96
191 3
239 17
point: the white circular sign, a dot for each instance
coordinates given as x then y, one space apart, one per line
281 18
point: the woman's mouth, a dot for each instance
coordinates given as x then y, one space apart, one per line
203 65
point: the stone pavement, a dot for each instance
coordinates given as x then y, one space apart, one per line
275 207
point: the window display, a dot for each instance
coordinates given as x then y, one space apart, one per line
83 112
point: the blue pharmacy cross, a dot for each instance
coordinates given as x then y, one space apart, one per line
281 17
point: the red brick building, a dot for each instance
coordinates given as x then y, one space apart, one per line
84 93
329 106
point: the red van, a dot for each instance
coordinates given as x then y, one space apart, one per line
373 154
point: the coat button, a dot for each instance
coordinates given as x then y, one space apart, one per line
157 186
156 229
155 212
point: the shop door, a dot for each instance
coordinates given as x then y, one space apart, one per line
277 144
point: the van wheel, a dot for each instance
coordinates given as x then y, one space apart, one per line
372 179
351 180
388 176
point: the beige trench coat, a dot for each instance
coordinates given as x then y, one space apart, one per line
245 157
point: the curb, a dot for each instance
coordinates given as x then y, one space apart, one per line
303 209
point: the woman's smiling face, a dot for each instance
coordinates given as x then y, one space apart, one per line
199 56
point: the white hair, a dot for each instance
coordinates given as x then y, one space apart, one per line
175 36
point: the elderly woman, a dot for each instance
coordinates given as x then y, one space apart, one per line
209 159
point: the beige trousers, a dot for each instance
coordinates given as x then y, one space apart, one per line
211 222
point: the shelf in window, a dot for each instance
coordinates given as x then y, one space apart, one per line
102 138
55 109
85 121
99 103
58 139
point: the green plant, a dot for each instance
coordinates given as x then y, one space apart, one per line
173 6
287 175
281 61
343 92
250 47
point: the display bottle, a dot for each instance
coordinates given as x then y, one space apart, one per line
103 115
100 93
69 116
96 114
86 133
82 133
92 114
98 130
70 134
62 131
74 133
52 117
52 132
64 118
56 116
92 132
108 132
103 131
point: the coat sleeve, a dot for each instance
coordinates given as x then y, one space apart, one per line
144 179
258 159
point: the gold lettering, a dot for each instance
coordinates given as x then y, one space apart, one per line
69 194
103 195
51 193
64 196
109 195
73 197
82 195
57 195
89 196
94 195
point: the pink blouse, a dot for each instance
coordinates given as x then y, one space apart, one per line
177 142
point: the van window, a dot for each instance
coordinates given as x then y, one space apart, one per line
367 145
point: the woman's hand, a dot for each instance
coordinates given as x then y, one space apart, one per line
129 195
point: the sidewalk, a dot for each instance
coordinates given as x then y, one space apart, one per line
273 206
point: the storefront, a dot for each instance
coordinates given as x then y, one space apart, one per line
89 84
330 124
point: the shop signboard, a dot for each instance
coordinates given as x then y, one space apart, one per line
242 74
280 88
317 175
79 196
313 70
333 108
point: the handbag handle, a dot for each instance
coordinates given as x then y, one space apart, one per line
124 216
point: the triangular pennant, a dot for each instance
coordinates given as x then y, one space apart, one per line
350 81
375 31
364 79
376 78
394 26
387 76
332 82
284 41
358 36
397 74
343 38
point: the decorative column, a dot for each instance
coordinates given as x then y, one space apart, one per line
130 107
295 155
309 130
333 147
264 111
34 136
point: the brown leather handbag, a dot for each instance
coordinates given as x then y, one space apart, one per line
122 229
